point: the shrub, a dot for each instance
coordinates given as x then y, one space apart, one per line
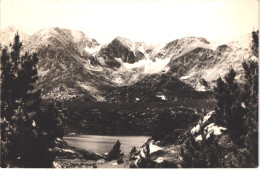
120 160
133 151
115 152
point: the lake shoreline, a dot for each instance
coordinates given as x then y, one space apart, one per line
102 144
78 134
72 157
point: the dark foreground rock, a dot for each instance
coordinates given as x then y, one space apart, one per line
203 144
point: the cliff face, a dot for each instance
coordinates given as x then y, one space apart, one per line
116 50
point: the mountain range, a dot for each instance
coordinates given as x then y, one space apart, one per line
74 66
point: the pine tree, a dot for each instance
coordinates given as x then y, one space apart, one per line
200 154
23 142
115 152
50 120
133 150
229 111
255 47
237 108
220 96
249 99
10 106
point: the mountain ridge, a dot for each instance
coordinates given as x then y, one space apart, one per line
72 64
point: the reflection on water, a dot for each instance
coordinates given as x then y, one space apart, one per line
103 144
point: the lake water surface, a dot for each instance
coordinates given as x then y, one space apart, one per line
103 144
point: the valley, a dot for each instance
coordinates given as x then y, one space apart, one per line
168 93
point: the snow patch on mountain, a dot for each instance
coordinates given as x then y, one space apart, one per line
130 73
147 66
184 77
157 66
93 50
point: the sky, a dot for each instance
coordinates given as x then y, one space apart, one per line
151 21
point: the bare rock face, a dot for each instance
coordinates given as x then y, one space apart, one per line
224 48
116 49
139 55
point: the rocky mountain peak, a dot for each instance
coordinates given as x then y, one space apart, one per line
62 38
178 47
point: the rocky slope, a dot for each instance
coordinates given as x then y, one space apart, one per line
154 87
66 70
211 62
181 46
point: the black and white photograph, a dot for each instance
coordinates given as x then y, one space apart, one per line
129 83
